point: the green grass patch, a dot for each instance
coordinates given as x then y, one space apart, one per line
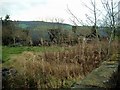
9 51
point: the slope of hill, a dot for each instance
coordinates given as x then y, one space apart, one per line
40 25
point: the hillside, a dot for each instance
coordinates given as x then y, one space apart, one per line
41 25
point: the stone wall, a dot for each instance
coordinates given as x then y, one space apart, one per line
105 76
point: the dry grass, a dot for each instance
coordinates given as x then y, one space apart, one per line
57 69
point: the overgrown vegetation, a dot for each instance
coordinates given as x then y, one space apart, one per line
56 69
55 57
8 51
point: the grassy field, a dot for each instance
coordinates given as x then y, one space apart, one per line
7 51
54 66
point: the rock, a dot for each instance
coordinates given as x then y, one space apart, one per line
8 71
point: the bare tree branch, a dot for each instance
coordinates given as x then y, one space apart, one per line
89 18
117 13
80 21
73 22
87 6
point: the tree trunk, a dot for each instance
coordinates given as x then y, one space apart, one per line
14 41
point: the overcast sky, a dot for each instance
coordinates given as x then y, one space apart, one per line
29 10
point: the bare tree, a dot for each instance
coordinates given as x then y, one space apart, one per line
90 19
93 20
110 7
